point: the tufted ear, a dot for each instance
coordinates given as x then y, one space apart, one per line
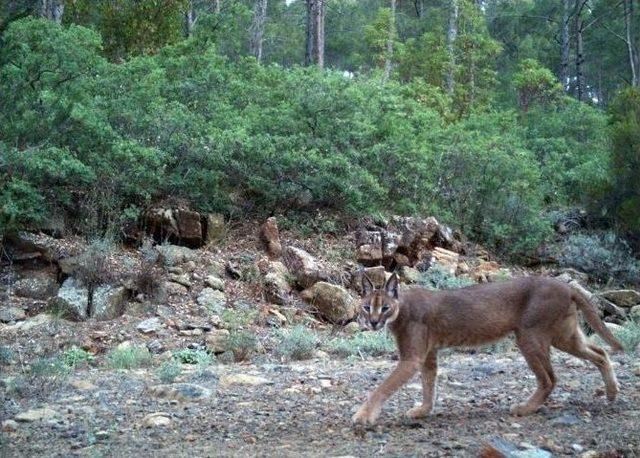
391 286
367 285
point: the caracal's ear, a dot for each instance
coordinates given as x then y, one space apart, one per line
367 285
391 286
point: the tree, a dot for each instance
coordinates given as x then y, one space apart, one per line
314 49
52 10
257 28
452 34
391 36
564 46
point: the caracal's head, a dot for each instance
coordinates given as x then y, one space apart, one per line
380 306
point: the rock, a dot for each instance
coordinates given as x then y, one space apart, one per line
180 392
216 228
303 266
332 302
611 309
567 419
108 302
34 322
276 286
175 289
11 314
36 285
214 282
417 236
244 380
173 255
484 271
568 274
448 260
183 280
189 227
190 266
28 245
44 413
212 299
352 328
82 385
9 426
157 419
614 328
501 448
622 297
155 346
216 340
72 300
377 275
270 237
634 313
149 326
369 247
409 274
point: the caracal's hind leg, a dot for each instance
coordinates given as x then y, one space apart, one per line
535 350
577 344
429 372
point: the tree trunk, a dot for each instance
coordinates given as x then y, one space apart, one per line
314 49
564 58
216 6
52 10
580 80
190 19
419 6
257 28
631 43
388 60
452 34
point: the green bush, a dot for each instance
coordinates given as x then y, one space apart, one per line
605 257
629 335
297 343
242 344
168 371
190 356
438 278
75 356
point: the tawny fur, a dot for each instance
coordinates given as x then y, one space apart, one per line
541 312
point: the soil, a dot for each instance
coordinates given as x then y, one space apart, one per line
304 409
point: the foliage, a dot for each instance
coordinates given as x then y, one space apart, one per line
128 357
242 344
535 84
75 356
190 356
6 355
606 257
363 344
629 335
439 278
297 343
168 371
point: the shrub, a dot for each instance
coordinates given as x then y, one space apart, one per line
6 355
129 357
606 257
168 371
242 344
191 356
297 343
438 278
148 278
629 335
92 267
365 343
75 356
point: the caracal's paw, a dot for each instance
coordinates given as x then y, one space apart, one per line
612 391
418 412
365 416
523 409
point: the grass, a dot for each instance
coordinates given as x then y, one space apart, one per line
629 335
190 356
129 358
438 278
237 319
6 355
297 343
41 377
372 343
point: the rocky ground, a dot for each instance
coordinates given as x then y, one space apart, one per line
304 409
169 351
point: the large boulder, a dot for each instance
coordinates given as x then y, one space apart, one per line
216 228
276 286
11 314
622 297
180 225
270 237
72 300
189 227
36 285
108 302
331 302
212 299
303 266
173 255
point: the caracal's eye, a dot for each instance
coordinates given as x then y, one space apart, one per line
367 308
385 308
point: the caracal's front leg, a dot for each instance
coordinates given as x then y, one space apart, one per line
429 373
368 413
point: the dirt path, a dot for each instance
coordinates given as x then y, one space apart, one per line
304 409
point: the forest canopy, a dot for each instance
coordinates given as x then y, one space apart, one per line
494 115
